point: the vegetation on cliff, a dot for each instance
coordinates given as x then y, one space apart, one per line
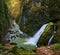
30 16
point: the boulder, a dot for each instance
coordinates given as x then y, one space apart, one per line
44 51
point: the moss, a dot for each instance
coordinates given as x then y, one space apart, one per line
46 35
56 47
34 21
14 50
25 52
20 51
1 47
36 16
44 38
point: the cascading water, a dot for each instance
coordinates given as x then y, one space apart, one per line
24 21
49 42
16 28
14 31
33 40
29 41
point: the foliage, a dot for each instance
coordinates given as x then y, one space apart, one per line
39 13
49 26
17 51
14 7
4 21
36 13
1 47
25 52
56 47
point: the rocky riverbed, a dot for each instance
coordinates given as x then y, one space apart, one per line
53 49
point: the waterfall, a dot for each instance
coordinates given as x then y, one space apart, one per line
49 42
16 27
33 40
24 21
14 31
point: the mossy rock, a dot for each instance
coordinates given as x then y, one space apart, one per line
47 35
21 51
55 47
25 52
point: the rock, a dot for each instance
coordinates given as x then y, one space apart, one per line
44 51
57 53
53 49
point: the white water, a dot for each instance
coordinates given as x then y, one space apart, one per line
16 27
49 42
15 31
33 40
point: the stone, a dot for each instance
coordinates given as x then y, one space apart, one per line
56 53
44 51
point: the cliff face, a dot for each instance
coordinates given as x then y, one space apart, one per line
35 14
